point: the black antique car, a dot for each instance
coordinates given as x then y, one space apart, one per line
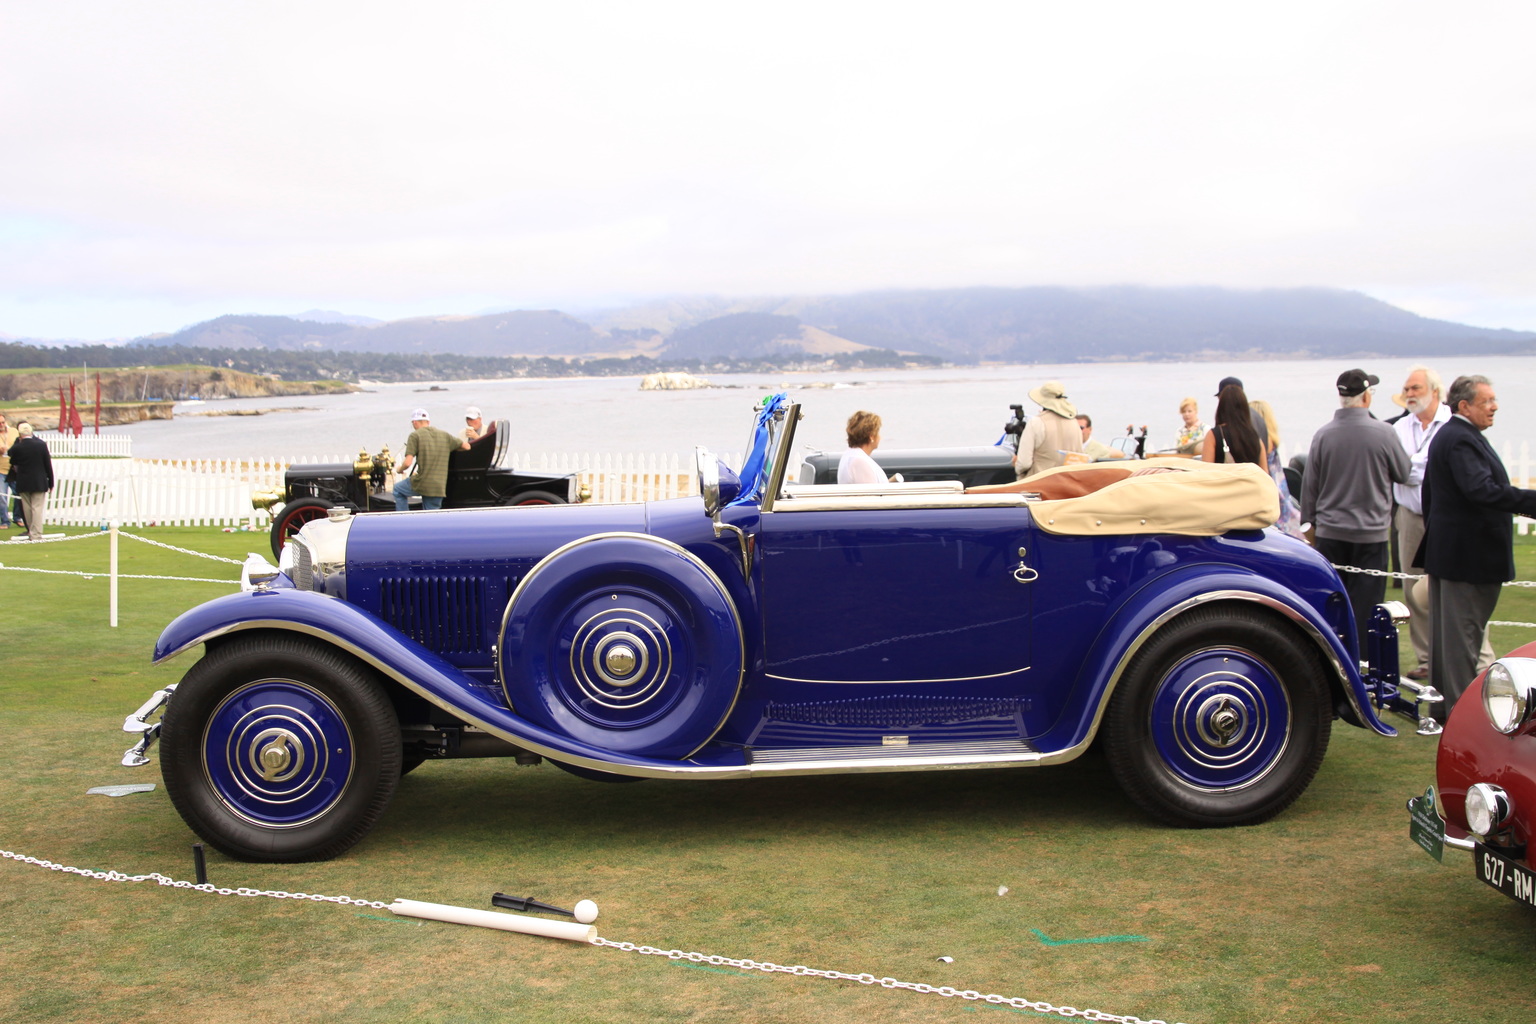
973 466
477 478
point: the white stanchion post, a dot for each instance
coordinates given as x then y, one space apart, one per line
112 574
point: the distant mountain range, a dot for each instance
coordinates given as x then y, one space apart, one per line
1016 325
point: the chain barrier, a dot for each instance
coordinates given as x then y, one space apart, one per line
58 539
209 887
184 551
125 575
1414 575
947 991
1420 576
121 575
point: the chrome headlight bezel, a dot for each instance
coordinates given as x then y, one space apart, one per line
1488 809
1509 693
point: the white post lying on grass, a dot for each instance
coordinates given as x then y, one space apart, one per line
112 573
491 919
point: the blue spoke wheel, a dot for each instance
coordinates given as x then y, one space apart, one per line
625 642
1221 718
278 747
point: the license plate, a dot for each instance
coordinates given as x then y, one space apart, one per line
1514 880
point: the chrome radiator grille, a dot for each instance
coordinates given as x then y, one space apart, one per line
303 565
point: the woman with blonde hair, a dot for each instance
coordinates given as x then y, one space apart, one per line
1193 432
1290 513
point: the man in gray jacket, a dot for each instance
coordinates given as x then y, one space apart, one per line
1346 492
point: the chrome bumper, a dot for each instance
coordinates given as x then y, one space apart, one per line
1389 691
138 722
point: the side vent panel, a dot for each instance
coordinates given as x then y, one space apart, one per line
443 613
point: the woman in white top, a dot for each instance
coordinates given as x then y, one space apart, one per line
857 466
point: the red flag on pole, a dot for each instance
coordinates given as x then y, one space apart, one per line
76 427
63 412
97 428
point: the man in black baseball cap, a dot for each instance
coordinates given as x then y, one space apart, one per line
1346 493
1354 382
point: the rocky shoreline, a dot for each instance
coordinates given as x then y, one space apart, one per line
133 396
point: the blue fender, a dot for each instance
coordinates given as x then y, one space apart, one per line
406 662
1162 600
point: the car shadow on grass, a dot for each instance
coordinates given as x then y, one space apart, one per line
495 799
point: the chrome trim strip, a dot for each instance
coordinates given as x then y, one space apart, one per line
851 502
896 682
949 752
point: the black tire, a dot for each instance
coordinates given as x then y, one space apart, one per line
536 498
276 747
1222 718
292 517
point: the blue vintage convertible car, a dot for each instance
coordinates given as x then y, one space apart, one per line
767 628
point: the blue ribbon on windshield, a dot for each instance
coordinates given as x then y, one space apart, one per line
754 466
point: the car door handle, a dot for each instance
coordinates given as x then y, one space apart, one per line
1022 572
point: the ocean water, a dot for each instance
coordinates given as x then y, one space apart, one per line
920 408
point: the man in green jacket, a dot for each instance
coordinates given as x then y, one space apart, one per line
426 453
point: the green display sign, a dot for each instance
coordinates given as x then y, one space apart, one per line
1424 825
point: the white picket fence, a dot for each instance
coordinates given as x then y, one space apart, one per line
217 492
64 446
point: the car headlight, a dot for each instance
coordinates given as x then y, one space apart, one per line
1508 690
1488 809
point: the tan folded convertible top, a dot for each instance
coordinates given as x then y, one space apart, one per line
1168 496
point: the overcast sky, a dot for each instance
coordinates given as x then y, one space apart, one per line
166 162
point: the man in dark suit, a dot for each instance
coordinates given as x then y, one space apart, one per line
1468 548
31 476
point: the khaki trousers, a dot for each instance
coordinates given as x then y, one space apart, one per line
32 504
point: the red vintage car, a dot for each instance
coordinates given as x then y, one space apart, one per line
1484 797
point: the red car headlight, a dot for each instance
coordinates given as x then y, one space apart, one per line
1509 693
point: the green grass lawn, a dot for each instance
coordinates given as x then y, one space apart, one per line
1328 913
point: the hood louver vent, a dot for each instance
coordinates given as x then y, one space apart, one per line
443 613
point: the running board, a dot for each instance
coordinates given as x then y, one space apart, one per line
986 752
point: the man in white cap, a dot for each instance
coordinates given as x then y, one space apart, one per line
426 452
1049 435
31 476
474 426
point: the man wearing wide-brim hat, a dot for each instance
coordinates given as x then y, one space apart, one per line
1049 436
